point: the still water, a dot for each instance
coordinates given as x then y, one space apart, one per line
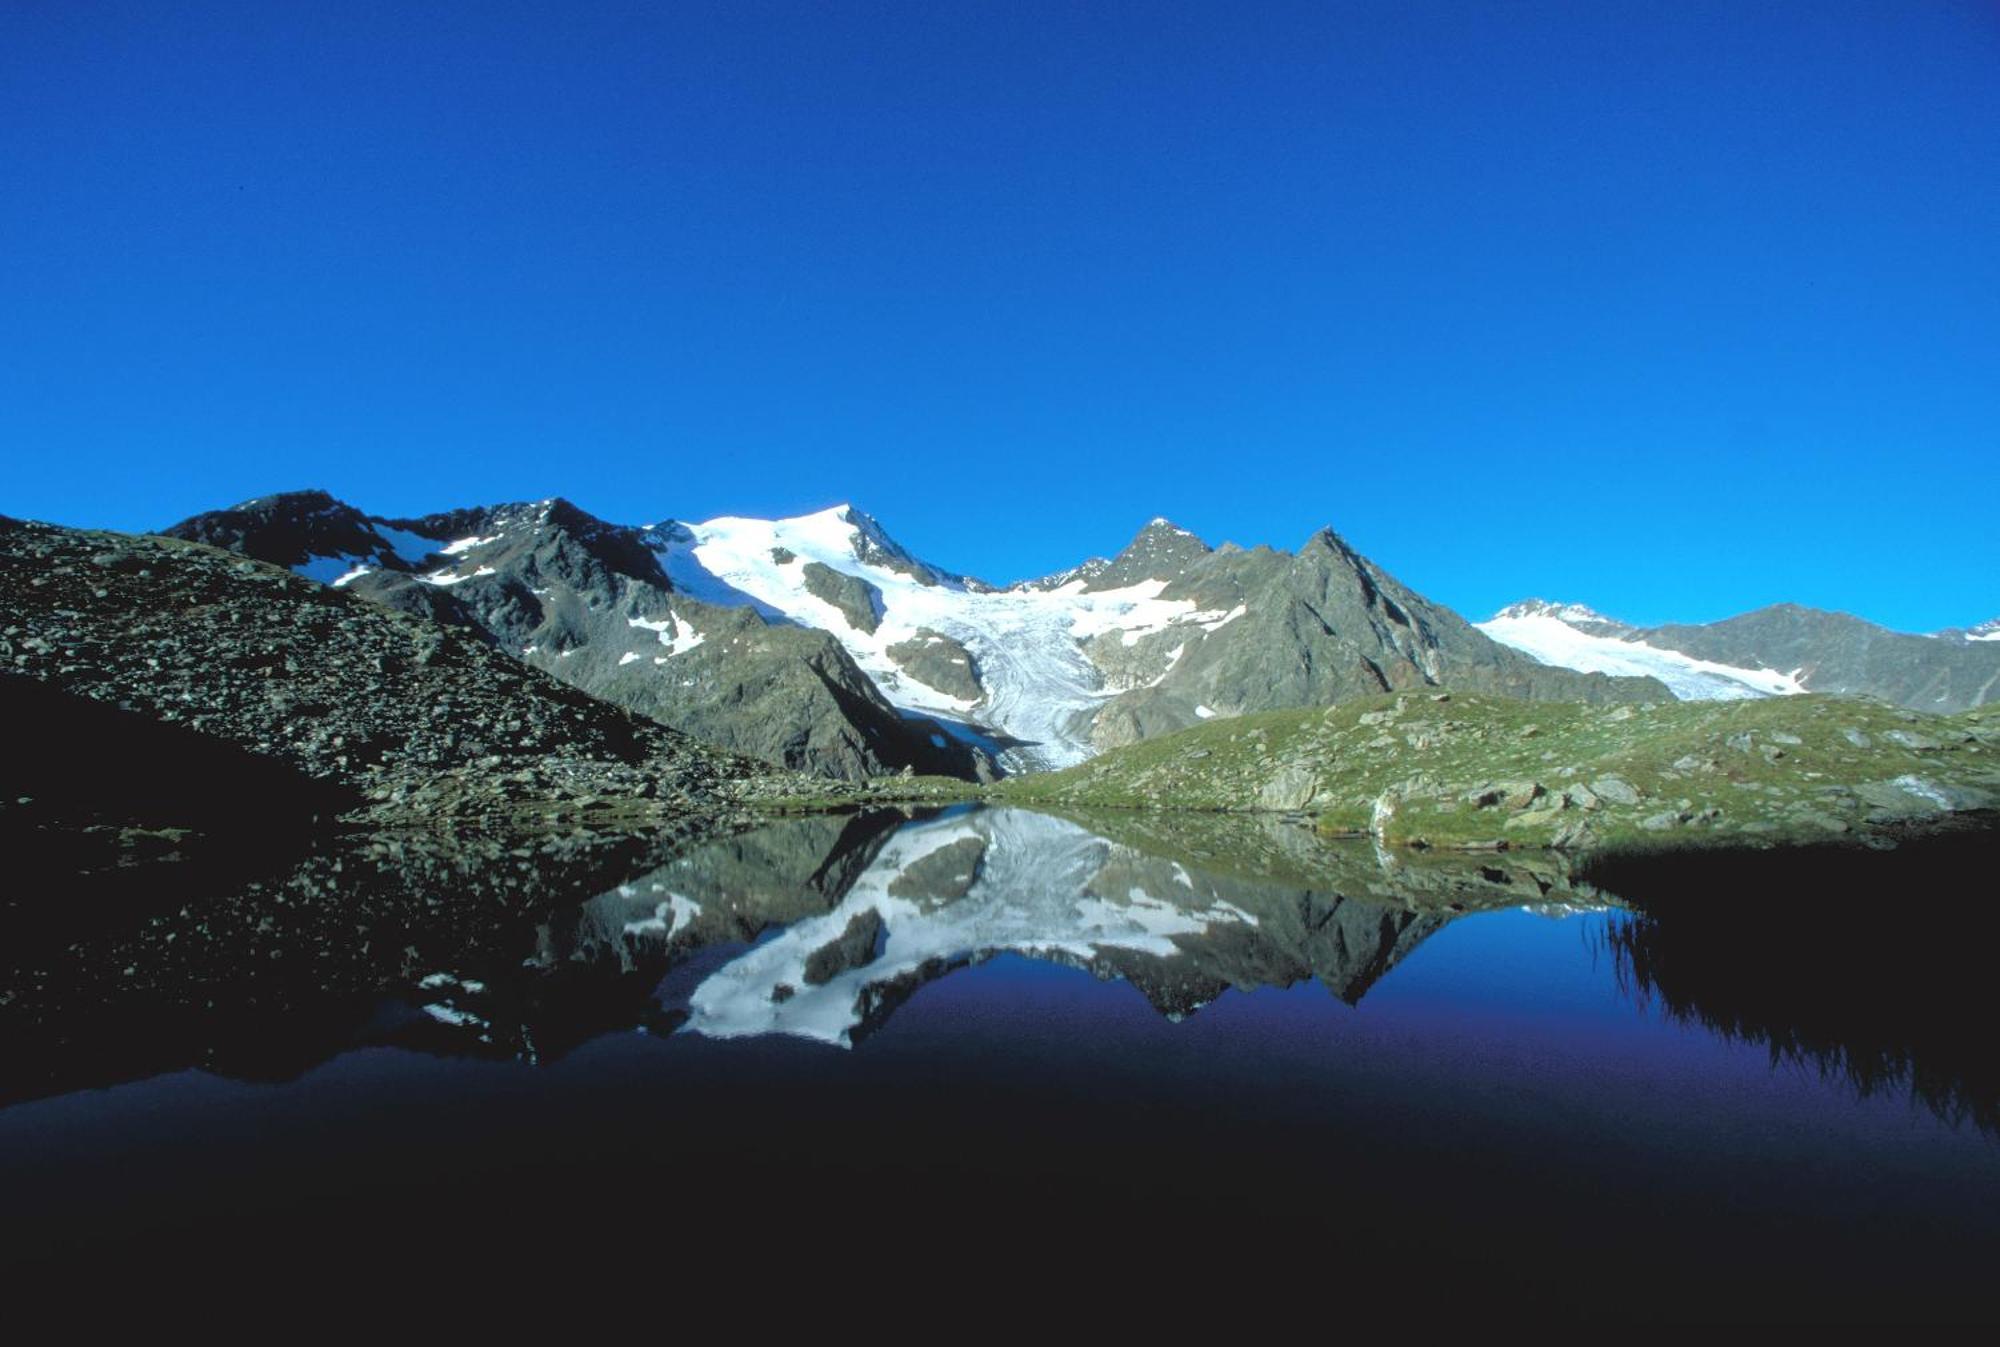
1192 1051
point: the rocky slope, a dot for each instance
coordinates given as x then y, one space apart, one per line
1453 770
414 720
1779 650
589 602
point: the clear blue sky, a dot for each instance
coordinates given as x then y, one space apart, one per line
1675 308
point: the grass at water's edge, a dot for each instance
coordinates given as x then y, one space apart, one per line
1436 770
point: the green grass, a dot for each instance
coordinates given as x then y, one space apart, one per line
1412 768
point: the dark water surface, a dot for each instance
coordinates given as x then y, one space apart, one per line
1166 1058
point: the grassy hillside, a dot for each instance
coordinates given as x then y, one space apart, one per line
1444 769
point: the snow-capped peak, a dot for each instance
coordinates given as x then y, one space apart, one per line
1571 613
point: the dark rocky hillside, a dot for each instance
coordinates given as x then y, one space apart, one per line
416 720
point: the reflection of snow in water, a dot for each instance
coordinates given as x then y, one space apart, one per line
1033 893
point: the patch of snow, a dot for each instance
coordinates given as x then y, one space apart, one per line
352 575
667 919
1204 713
452 549
445 577
409 548
627 658
326 569
678 637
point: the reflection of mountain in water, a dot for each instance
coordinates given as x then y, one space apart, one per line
899 910
815 926
1831 959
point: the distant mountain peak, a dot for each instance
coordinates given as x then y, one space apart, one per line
1989 630
1574 614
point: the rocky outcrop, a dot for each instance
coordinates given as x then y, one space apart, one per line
854 597
938 661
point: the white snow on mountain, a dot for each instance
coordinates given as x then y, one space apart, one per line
1541 633
1033 891
1025 643
340 568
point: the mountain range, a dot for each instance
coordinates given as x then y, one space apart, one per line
820 643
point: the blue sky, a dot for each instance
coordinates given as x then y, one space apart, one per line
1672 309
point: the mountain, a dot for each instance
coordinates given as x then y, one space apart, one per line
1166 634
820 642
1780 650
588 602
874 907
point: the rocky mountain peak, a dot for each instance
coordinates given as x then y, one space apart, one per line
1162 550
1164 536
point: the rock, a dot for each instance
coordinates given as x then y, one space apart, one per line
856 599
1293 788
1577 835
1615 789
1506 794
1910 739
1661 821
1582 797
852 948
1912 795
938 661
1857 738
